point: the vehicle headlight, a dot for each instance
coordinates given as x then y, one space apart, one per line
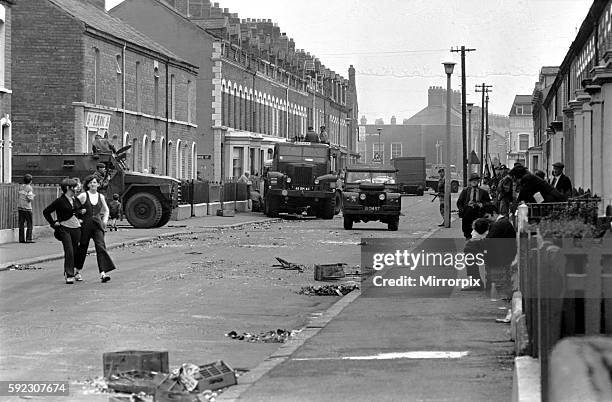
284 193
288 179
362 196
316 181
381 197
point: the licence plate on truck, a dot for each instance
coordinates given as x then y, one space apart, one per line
372 209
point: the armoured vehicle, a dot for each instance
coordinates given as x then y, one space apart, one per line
410 174
299 181
371 194
148 200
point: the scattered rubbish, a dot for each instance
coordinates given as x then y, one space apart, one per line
135 382
324 272
329 290
134 360
289 265
22 267
196 383
278 336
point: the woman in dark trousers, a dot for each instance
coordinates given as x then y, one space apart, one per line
93 227
67 226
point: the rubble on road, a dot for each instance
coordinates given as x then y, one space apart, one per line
328 290
22 267
278 336
284 264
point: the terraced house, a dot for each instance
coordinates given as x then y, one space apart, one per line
81 72
255 88
6 139
573 115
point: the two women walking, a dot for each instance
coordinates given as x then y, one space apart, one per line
81 218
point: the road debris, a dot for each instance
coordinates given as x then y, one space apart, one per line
22 267
328 290
278 336
284 264
324 272
135 382
196 383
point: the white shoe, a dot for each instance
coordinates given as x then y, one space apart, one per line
78 276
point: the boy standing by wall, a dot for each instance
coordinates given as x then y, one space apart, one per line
115 212
24 209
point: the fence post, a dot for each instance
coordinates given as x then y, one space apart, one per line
235 195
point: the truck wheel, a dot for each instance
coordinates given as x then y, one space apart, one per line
348 222
143 210
454 186
338 206
165 218
328 208
393 224
271 207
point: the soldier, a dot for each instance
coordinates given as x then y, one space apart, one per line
440 194
312 136
561 182
102 176
324 138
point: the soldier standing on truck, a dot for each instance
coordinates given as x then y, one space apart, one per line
440 194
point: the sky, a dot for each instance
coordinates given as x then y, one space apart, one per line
398 46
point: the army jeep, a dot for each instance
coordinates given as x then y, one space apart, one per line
371 194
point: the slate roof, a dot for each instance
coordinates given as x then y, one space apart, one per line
100 20
522 99
433 115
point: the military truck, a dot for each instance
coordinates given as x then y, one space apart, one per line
299 181
148 200
433 177
371 194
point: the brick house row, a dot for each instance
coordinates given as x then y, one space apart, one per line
81 72
573 111
254 88
6 137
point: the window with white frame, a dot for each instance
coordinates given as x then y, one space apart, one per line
523 142
378 152
2 44
237 157
396 150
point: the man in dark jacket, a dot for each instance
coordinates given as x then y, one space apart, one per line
470 203
312 136
531 185
501 250
561 182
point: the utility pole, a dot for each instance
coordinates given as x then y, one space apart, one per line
487 156
463 111
484 89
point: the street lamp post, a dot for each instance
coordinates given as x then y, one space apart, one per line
469 150
448 68
380 156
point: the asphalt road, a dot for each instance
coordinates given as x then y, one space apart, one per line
185 293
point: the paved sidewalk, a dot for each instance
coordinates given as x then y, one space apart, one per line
48 248
332 359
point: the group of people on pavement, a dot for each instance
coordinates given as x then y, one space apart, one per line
81 215
486 221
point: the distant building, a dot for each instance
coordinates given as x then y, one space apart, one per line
542 150
6 136
520 136
424 133
91 73
255 88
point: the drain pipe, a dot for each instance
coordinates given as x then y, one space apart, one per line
123 94
167 122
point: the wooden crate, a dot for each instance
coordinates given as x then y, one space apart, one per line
135 360
325 272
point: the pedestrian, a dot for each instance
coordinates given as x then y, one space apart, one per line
505 196
312 136
115 212
470 203
440 194
473 246
323 136
560 181
67 227
79 187
540 173
532 189
24 209
501 251
94 224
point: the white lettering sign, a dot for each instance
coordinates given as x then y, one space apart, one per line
97 120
